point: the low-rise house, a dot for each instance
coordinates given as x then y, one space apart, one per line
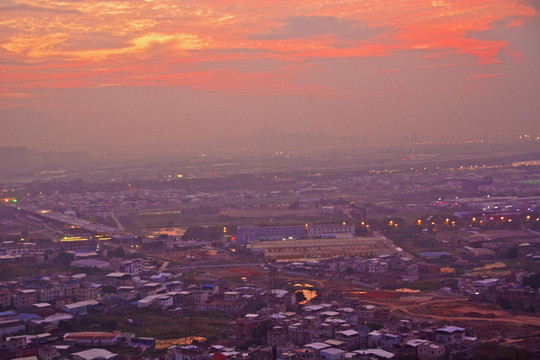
41 307
374 339
93 338
429 351
51 293
17 342
174 286
165 301
11 326
118 278
87 292
366 313
133 266
55 318
372 266
281 297
230 307
79 308
5 298
363 332
480 253
277 336
337 344
185 353
374 353
231 295
390 341
160 278
332 354
349 314
450 335
299 334
305 354
25 298
351 337
483 286
317 347
48 353
147 301
93 354
127 293
145 342
152 288
70 290
90 263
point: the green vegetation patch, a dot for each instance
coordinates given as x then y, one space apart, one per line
157 323
492 351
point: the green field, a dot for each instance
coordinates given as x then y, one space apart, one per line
158 324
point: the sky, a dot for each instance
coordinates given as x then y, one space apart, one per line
134 71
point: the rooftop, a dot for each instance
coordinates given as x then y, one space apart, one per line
450 329
94 354
90 336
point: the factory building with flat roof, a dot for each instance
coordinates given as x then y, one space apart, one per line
301 250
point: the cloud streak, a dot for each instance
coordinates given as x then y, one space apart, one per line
397 64
130 38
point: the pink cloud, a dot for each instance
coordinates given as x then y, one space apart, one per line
484 76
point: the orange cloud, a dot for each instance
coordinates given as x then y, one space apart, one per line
59 43
484 76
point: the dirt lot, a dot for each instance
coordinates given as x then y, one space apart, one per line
247 272
488 319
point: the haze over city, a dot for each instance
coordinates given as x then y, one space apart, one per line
269 180
132 72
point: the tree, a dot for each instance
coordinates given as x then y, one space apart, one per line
300 297
66 325
532 281
110 324
360 230
511 252
203 233
375 326
117 252
294 205
64 258
505 303
259 332
109 289
154 246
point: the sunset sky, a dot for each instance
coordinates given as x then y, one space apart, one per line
166 69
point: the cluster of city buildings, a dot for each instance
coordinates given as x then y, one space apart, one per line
316 192
279 325
273 319
251 233
339 329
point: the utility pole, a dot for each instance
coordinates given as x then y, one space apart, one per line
270 296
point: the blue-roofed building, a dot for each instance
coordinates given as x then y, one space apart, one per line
434 255
28 317
8 313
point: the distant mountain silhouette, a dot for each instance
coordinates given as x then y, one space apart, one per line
24 127
270 138
34 130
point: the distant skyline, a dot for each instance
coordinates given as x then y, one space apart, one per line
148 71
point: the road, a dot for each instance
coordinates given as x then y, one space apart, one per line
163 266
219 266
118 223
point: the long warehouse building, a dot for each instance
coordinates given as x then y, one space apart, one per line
298 250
